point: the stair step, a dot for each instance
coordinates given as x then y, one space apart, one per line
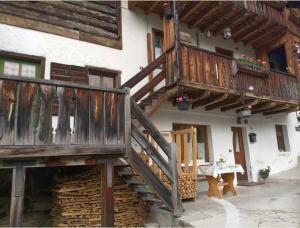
134 181
142 189
127 174
151 199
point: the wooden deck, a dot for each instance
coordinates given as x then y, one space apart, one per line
86 120
213 78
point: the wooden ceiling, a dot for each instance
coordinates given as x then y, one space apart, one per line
214 16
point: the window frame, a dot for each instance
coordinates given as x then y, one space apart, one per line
283 137
154 33
116 74
24 58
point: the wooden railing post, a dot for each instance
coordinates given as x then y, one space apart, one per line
127 118
177 205
107 215
17 196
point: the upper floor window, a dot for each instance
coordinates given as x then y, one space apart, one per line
277 59
14 64
157 43
104 78
282 138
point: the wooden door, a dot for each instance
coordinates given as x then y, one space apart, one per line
239 152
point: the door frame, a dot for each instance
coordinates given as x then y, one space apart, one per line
246 151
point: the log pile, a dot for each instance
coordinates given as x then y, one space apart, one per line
77 201
188 186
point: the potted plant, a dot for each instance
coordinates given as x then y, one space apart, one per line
264 173
183 102
221 160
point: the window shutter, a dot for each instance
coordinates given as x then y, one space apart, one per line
69 73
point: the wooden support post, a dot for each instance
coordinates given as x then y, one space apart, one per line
107 217
17 196
177 205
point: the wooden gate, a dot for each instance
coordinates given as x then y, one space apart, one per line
186 162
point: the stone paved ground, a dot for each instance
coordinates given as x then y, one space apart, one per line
274 204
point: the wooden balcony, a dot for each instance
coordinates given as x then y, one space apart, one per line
217 81
89 121
250 21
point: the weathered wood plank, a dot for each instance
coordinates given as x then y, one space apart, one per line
8 98
44 130
63 130
17 197
111 126
81 131
36 151
107 197
97 117
28 114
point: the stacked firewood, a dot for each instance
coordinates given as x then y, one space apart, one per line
77 201
188 186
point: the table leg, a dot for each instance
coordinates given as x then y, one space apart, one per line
213 187
228 178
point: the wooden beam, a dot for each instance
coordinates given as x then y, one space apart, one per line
107 198
152 6
264 108
272 112
189 12
221 16
245 30
209 100
255 32
221 103
205 13
266 35
229 22
204 94
268 38
240 23
17 196
214 15
132 4
241 104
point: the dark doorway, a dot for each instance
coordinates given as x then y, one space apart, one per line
277 59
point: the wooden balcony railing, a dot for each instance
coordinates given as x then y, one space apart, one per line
206 67
263 9
215 71
89 120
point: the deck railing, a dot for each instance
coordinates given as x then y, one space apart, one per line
263 9
205 67
213 70
88 120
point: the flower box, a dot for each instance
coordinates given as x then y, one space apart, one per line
252 69
183 102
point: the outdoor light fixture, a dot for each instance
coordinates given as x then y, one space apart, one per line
251 88
208 34
227 33
244 113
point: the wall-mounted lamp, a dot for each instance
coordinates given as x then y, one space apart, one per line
227 33
252 137
208 34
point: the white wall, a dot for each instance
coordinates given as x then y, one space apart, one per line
258 155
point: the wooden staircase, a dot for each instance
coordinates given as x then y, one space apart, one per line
132 168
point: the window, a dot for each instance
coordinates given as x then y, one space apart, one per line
103 77
202 139
157 43
282 138
277 59
14 64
